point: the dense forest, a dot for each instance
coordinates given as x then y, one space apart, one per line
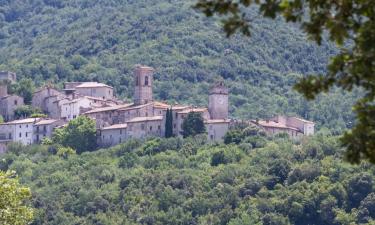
175 181
51 41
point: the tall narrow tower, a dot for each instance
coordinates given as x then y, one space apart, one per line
143 80
218 102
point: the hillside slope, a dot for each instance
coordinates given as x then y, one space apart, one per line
58 40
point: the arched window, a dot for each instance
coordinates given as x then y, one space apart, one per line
137 81
146 81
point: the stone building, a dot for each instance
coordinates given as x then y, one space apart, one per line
44 129
93 89
113 135
143 81
7 75
293 126
18 130
44 98
8 105
218 103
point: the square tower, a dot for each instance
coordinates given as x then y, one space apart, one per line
218 102
143 80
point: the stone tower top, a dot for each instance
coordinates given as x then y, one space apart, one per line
218 102
219 88
7 75
143 80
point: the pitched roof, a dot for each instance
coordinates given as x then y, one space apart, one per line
303 120
133 106
108 108
116 126
92 85
144 119
217 121
27 120
46 122
273 124
201 110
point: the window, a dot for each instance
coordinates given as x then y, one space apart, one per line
103 137
174 125
150 128
20 126
146 81
159 127
44 128
15 102
10 135
20 135
26 134
137 81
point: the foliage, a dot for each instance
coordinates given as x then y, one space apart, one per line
282 182
348 21
79 134
24 88
26 111
13 201
79 40
169 123
193 125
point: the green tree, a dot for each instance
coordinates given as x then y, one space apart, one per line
193 125
13 201
169 123
25 111
79 134
25 88
344 21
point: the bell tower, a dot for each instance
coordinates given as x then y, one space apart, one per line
218 102
143 80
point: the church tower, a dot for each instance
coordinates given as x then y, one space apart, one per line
143 80
218 102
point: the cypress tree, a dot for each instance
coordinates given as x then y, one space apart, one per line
169 124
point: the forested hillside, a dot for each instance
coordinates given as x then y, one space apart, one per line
175 181
51 41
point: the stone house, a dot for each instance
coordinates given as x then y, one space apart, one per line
143 127
71 109
106 116
113 135
42 98
216 129
8 105
293 126
19 130
44 129
95 89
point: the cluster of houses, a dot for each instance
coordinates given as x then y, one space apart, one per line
118 121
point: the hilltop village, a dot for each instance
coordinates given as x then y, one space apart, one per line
118 121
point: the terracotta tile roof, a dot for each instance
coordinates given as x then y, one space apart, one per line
218 121
132 106
116 126
92 85
46 122
303 120
108 108
193 110
144 119
273 124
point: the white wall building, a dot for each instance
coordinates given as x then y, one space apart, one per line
19 130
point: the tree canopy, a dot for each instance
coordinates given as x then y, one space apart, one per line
14 209
79 134
350 24
193 125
